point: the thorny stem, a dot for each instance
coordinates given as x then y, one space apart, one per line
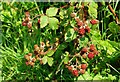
112 10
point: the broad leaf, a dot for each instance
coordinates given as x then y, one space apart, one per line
53 23
92 12
43 21
97 77
44 59
50 61
114 28
52 11
107 46
50 53
70 35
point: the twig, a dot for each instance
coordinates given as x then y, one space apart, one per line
112 10
112 68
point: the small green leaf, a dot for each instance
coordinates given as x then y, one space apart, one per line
70 10
61 13
93 4
66 59
92 12
53 23
95 34
97 77
87 76
50 53
43 21
52 11
107 46
70 35
50 61
114 28
44 59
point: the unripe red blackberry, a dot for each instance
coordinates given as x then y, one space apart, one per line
84 55
82 71
84 50
33 60
27 19
80 23
27 14
87 29
92 48
81 31
83 66
29 25
27 57
94 21
38 21
70 68
24 23
31 63
90 55
95 52
27 63
75 72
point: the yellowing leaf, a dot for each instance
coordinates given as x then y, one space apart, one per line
43 21
52 11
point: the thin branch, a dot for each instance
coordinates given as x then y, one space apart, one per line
112 10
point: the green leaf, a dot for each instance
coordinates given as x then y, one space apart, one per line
83 41
114 28
92 12
87 76
107 46
50 61
44 59
70 10
95 34
66 59
97 77
94 5
70 35
61 13
43 21
53 23
52 11
50 53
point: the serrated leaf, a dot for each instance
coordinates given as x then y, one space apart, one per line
107 46
70 35
114 28
50 61
93 4
50 53
52 11
95 34
92 12
43 21
53 23
87 76
97 77
44 59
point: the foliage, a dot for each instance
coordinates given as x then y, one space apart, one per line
61 37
